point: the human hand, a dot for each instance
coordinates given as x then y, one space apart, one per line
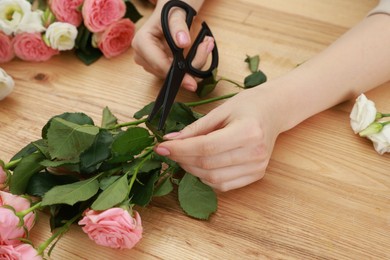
231 146
152 52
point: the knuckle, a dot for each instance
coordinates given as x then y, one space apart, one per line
213 179
205 163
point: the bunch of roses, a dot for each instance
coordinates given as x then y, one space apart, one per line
368 122
114 228
37 31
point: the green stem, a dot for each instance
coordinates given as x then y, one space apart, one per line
58 233
231 81
12 163
145 156
137 122
385 115
210 100
31 209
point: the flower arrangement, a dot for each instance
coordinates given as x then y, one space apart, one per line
368 122
97 175
36 30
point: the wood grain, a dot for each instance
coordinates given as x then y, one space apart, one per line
326 194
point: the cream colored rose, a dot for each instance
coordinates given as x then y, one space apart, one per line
363 113
6 84
61 36
16 17
381 140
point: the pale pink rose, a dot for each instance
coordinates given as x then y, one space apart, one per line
116 39
10 231
31 47
99 14
18 204
113 228
3 178
6 49
67 11
20 252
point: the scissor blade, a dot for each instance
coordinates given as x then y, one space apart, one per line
161 96
172 88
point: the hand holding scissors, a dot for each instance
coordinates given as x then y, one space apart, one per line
180 64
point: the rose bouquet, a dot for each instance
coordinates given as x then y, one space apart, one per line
368 122
97 175
35 30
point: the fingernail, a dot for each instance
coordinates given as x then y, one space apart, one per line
162 151
171 135
182 38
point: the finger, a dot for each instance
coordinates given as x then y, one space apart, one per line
213 143
154 59
179 29
202 52
242 155
235 184
214 120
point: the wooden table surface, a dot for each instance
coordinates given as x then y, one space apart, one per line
326 193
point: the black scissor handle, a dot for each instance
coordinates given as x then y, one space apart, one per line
190 13
205 31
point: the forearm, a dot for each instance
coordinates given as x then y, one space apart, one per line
357 62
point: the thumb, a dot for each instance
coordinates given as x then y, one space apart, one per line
214 120
179 29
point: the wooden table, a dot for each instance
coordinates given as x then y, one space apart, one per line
326 194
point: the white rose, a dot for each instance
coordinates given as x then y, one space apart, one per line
6 84
16 15
61 36
363 113
381 140
31 23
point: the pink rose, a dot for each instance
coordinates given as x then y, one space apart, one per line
113 228
18 204
31 47
67 11
10 231
20 252
116 39
99 14
6 49
3 178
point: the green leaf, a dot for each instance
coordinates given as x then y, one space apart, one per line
89 57
99 151
253 62
144 111
207 85
255 79
142 191
27 150
197 199
26 168
113 195
130 143
71 193
132 12
42 182
163 188
66 140
77 118
108 120
54 164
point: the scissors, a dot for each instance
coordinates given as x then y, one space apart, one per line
180 65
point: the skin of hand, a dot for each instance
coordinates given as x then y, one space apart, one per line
231 146
153 53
